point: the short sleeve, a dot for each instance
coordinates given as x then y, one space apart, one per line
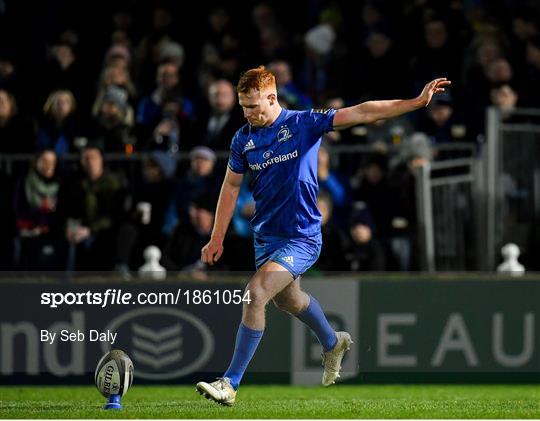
320 121
237 161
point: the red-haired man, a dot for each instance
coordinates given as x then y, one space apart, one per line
280 147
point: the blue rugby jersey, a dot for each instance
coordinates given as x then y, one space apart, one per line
283 159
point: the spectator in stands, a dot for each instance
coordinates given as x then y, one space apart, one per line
150 109
149 51
58 127
16 133
371 186
91 206
175 131
483 50
10 79
147 215
320 71
413 153
110 130
497 72
525 29
38 245
271 34
183 252
166 135
363 251
389 206
437 58
374 77
200 178
288 91
334 184
158 173
384 134
501 66
224 119
332 256
504 98
222 52
123 25
63 70
116 74
440 121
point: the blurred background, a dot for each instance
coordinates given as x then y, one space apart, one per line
115 124
116 119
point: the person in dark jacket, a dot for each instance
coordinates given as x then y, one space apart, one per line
92 206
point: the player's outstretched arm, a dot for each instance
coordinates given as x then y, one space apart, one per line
228 197
371 111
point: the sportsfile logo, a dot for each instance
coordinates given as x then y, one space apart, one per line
274 160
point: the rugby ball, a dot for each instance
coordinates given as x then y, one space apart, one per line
114 373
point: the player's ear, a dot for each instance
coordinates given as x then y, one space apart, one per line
272 97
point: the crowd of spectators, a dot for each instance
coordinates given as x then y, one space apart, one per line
99 80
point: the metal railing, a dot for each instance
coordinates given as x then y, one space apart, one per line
436 187
448 210
8 162
512 168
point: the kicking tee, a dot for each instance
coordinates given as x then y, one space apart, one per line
283 160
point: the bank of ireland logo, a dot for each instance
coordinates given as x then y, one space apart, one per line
284 134
164 343
267 154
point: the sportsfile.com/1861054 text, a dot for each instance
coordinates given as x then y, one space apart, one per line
113 296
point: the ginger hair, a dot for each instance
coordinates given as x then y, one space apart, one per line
258 78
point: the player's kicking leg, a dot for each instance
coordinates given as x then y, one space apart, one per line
270 279
307 309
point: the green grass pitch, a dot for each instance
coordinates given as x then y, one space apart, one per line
342 401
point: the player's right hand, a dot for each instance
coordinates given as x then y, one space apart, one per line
212 251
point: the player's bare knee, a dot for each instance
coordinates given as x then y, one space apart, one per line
258 296
288 304
279 303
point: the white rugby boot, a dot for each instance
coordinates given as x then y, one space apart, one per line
220 391
332 359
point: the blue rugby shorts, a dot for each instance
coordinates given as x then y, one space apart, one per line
296 255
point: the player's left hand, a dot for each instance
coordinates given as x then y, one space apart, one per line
434 87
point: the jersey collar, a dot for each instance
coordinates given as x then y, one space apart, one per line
279 119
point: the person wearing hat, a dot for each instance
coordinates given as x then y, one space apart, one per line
110 127
201 177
